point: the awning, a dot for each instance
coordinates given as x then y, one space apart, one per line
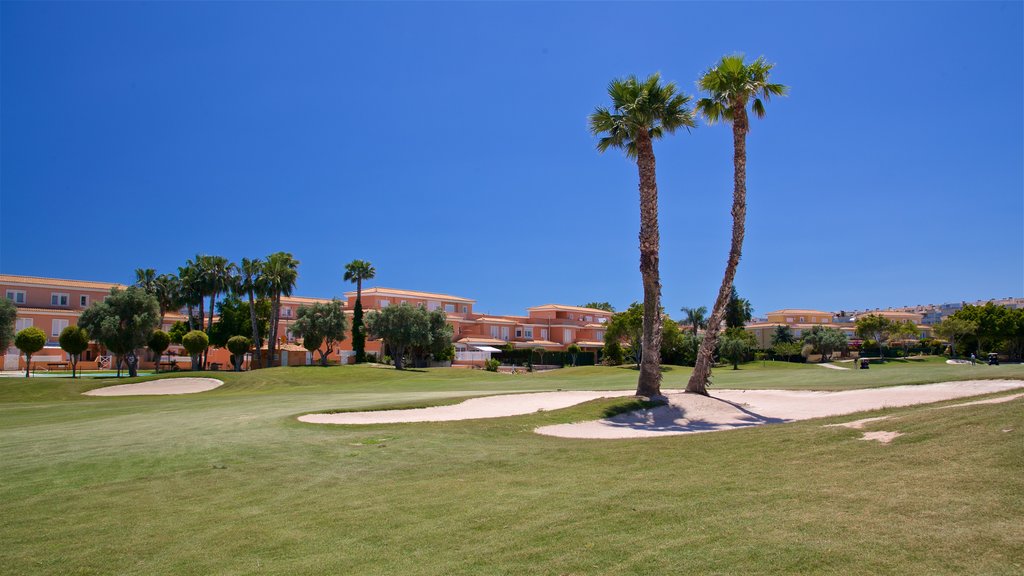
487 348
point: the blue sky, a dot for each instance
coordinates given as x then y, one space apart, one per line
448 144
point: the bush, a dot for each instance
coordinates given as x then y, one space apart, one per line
238 346
446 355
371 357
29 341
613 353
158 342
387 360
492 365
195 342
74 340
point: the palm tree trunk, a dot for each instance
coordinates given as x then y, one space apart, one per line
649 382
698 383
255 330
275 310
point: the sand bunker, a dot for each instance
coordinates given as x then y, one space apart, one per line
486 407
728 409
157 387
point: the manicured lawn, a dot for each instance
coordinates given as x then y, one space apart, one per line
228 482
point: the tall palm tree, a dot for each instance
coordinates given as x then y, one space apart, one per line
357 271
696 317
193 288
643 111
144 278
167 289
280 272
250 283
731 85
217 278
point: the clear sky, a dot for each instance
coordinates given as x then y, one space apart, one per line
448 144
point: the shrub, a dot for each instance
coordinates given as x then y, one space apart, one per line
492 365
613 353
446 355
158 342
74 340
238 346
195 342
29 341
371 357
387 360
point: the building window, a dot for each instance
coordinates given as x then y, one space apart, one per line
465 309
789 320
543 333
504 333
567 333
22 323
824 320
286 312
58 299
801 319
494 332
571 317
449 307
529 333
589 318
385 303
16 296
57 326
431 306
599 335
83 301
519 332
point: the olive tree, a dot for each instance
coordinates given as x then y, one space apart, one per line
953 328
8 318
159 341
409 330
195 342
574 351
238 346
825 340
877 327
74 340
123 323
29 341
320 326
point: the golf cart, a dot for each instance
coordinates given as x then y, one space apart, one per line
993 359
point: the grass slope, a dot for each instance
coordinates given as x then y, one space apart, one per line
228 482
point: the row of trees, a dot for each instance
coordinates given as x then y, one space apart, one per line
645 110
981 329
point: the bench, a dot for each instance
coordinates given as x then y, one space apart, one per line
50 366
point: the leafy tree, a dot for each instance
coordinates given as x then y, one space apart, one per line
612 352
783 335
696 318
123 323
235 319
191 290
574 351
607 307
787 349
8 319
178 331
440 337
905 331
876 327
738 311
825 340
407 329
731 85
159 342
628 325
447 354
734 349
953 328
252 284
357 271
29 341
238 346
540 351
643 111
689 346
195 342
280 272
323 323
998 327
74 340
671 341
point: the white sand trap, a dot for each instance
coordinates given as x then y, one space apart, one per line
157 387
729 409
833 366
881 436
486 407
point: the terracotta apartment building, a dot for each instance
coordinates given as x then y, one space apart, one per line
52 304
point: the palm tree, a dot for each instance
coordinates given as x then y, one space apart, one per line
218 275
731 85
696 317
643 111
280 272
144 278
167 289
251 284
357 271
193 290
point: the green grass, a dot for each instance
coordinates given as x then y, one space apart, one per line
228 482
